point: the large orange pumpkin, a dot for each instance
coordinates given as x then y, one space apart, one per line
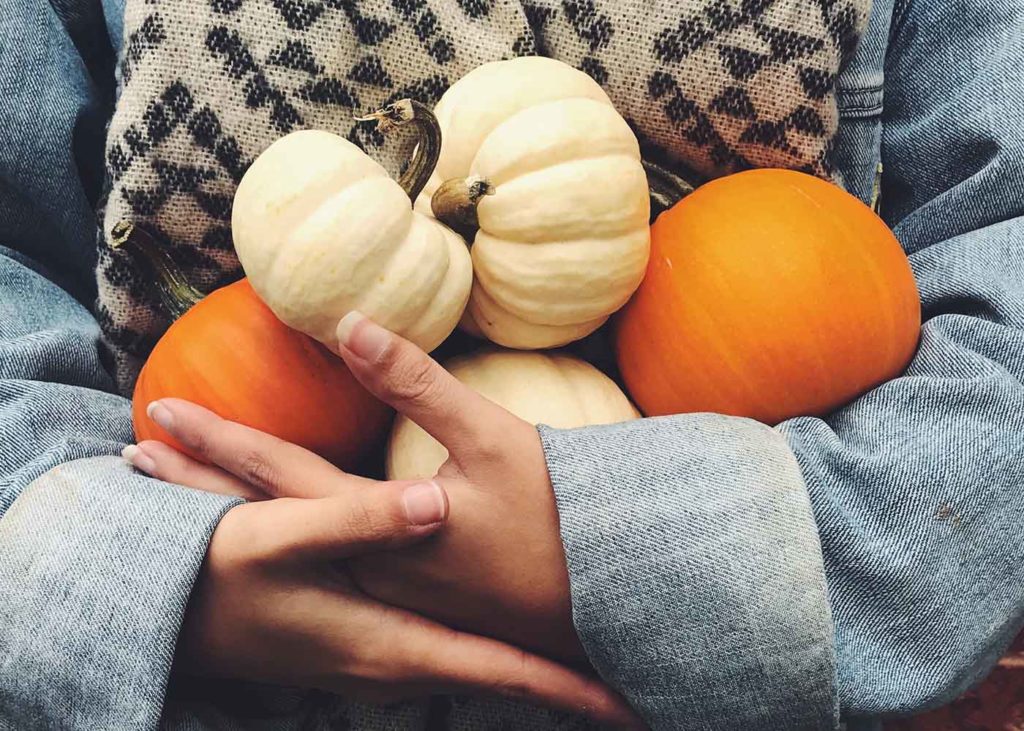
769 294
229 353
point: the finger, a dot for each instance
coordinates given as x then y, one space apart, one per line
461 662
357 521
271 465
400 374
166 463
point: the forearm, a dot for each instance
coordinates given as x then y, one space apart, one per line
916 492
915 487
98 566
98 561
53 113
697 581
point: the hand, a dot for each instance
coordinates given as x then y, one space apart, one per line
273 604
499 568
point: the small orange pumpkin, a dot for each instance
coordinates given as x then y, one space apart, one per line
228 352
769 294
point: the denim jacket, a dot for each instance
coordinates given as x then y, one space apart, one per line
724 575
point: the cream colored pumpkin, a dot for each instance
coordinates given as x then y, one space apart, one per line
563 238
321 229
553 389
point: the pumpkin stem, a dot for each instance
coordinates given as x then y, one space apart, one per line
176 294
454 203
428 144
666 187
876 191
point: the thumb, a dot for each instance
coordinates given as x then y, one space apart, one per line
362 520
414 384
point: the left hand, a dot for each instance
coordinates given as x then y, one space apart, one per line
499 567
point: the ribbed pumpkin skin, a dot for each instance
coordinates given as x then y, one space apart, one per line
769 294
230 354
541 388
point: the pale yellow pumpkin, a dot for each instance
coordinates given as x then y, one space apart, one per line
541 388
321 230
544 177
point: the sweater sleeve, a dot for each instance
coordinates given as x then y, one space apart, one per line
97 561
699 550
696 574
917 486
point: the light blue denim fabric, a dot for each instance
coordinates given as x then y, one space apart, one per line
724 575
96 562
692 564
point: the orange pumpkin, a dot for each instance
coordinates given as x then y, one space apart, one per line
769 294
229 353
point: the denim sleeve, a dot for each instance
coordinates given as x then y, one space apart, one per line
97 562
917 487
696 574
695 563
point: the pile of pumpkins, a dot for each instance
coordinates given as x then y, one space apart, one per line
523 218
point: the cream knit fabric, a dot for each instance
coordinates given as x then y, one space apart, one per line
711 86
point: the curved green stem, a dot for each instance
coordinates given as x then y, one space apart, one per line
177 295
428 141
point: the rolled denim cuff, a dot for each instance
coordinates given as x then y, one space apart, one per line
698 588
98 564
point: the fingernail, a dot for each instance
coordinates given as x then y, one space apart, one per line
138 459
161 415
362 336
425 503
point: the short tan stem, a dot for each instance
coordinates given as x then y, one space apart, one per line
177 295
428 140
455 203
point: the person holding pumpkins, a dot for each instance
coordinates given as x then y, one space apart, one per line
818 525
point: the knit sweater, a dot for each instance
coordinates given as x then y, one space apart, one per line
709 86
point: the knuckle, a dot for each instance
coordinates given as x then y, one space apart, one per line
513 678
202 442
520 682
366 521
211 439
258 470
501 442
514 685
414 380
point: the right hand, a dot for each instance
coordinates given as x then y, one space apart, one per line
274 604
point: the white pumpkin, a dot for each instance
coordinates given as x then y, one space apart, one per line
560 196
558 390
321 229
